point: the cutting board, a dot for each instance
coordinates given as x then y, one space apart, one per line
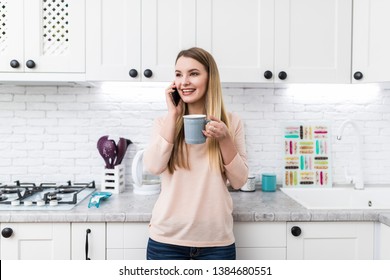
306 155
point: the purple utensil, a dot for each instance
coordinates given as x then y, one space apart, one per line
122 147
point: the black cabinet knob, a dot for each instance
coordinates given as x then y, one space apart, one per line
358 75
296 231
133 73
7 232
30 64
148 73
282 75
14 63
268 74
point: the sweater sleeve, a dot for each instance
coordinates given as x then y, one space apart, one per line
237 170
158 152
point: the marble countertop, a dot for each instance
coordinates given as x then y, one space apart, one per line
255 206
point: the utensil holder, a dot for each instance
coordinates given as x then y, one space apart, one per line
114 179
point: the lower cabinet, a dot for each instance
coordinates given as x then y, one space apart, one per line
260 241
254 241
384 243
330 240
35 241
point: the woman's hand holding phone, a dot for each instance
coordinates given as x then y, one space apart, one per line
174 101
175 97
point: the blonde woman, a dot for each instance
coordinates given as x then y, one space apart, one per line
192 218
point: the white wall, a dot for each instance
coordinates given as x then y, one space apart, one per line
50 133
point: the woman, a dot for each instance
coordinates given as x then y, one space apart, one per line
192 218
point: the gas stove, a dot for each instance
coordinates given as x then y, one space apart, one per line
44 196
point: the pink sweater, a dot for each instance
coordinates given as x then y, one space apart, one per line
194 207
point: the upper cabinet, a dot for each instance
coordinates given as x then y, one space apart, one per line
134 40
240 35
253 41
42 36
313 41
280 41
371 44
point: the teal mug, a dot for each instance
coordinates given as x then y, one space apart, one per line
268 182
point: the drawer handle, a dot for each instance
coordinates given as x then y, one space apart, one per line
86 244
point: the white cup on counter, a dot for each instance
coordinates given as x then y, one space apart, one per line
250 185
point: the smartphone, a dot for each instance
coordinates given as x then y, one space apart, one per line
175 97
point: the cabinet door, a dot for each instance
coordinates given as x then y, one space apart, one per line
371 44
313 41
167 27
240 35
55 35
88 240
113 39
135 35
127 241
11 35
384 242
36 241
330 240
260 241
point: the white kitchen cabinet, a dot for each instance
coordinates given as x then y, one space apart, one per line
42 40
330 240
260 241
240 35
127 241
134 40
371 44
384 242
281 41
313 41
35 241
88 241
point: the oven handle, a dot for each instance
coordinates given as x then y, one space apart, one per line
86 244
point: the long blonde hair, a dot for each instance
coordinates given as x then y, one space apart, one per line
214 106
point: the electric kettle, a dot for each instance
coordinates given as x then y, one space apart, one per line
143 182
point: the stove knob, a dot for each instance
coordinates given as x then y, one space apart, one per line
7 232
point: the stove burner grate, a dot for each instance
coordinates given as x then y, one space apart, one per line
25 192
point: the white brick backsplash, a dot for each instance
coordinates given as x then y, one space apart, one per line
50 133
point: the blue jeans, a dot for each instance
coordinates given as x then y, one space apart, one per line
162 251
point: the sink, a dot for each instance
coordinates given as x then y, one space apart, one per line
341 197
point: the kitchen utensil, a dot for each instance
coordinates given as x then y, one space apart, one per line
100 145
122 148
101 141
109 153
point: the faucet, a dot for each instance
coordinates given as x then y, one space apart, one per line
358 179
